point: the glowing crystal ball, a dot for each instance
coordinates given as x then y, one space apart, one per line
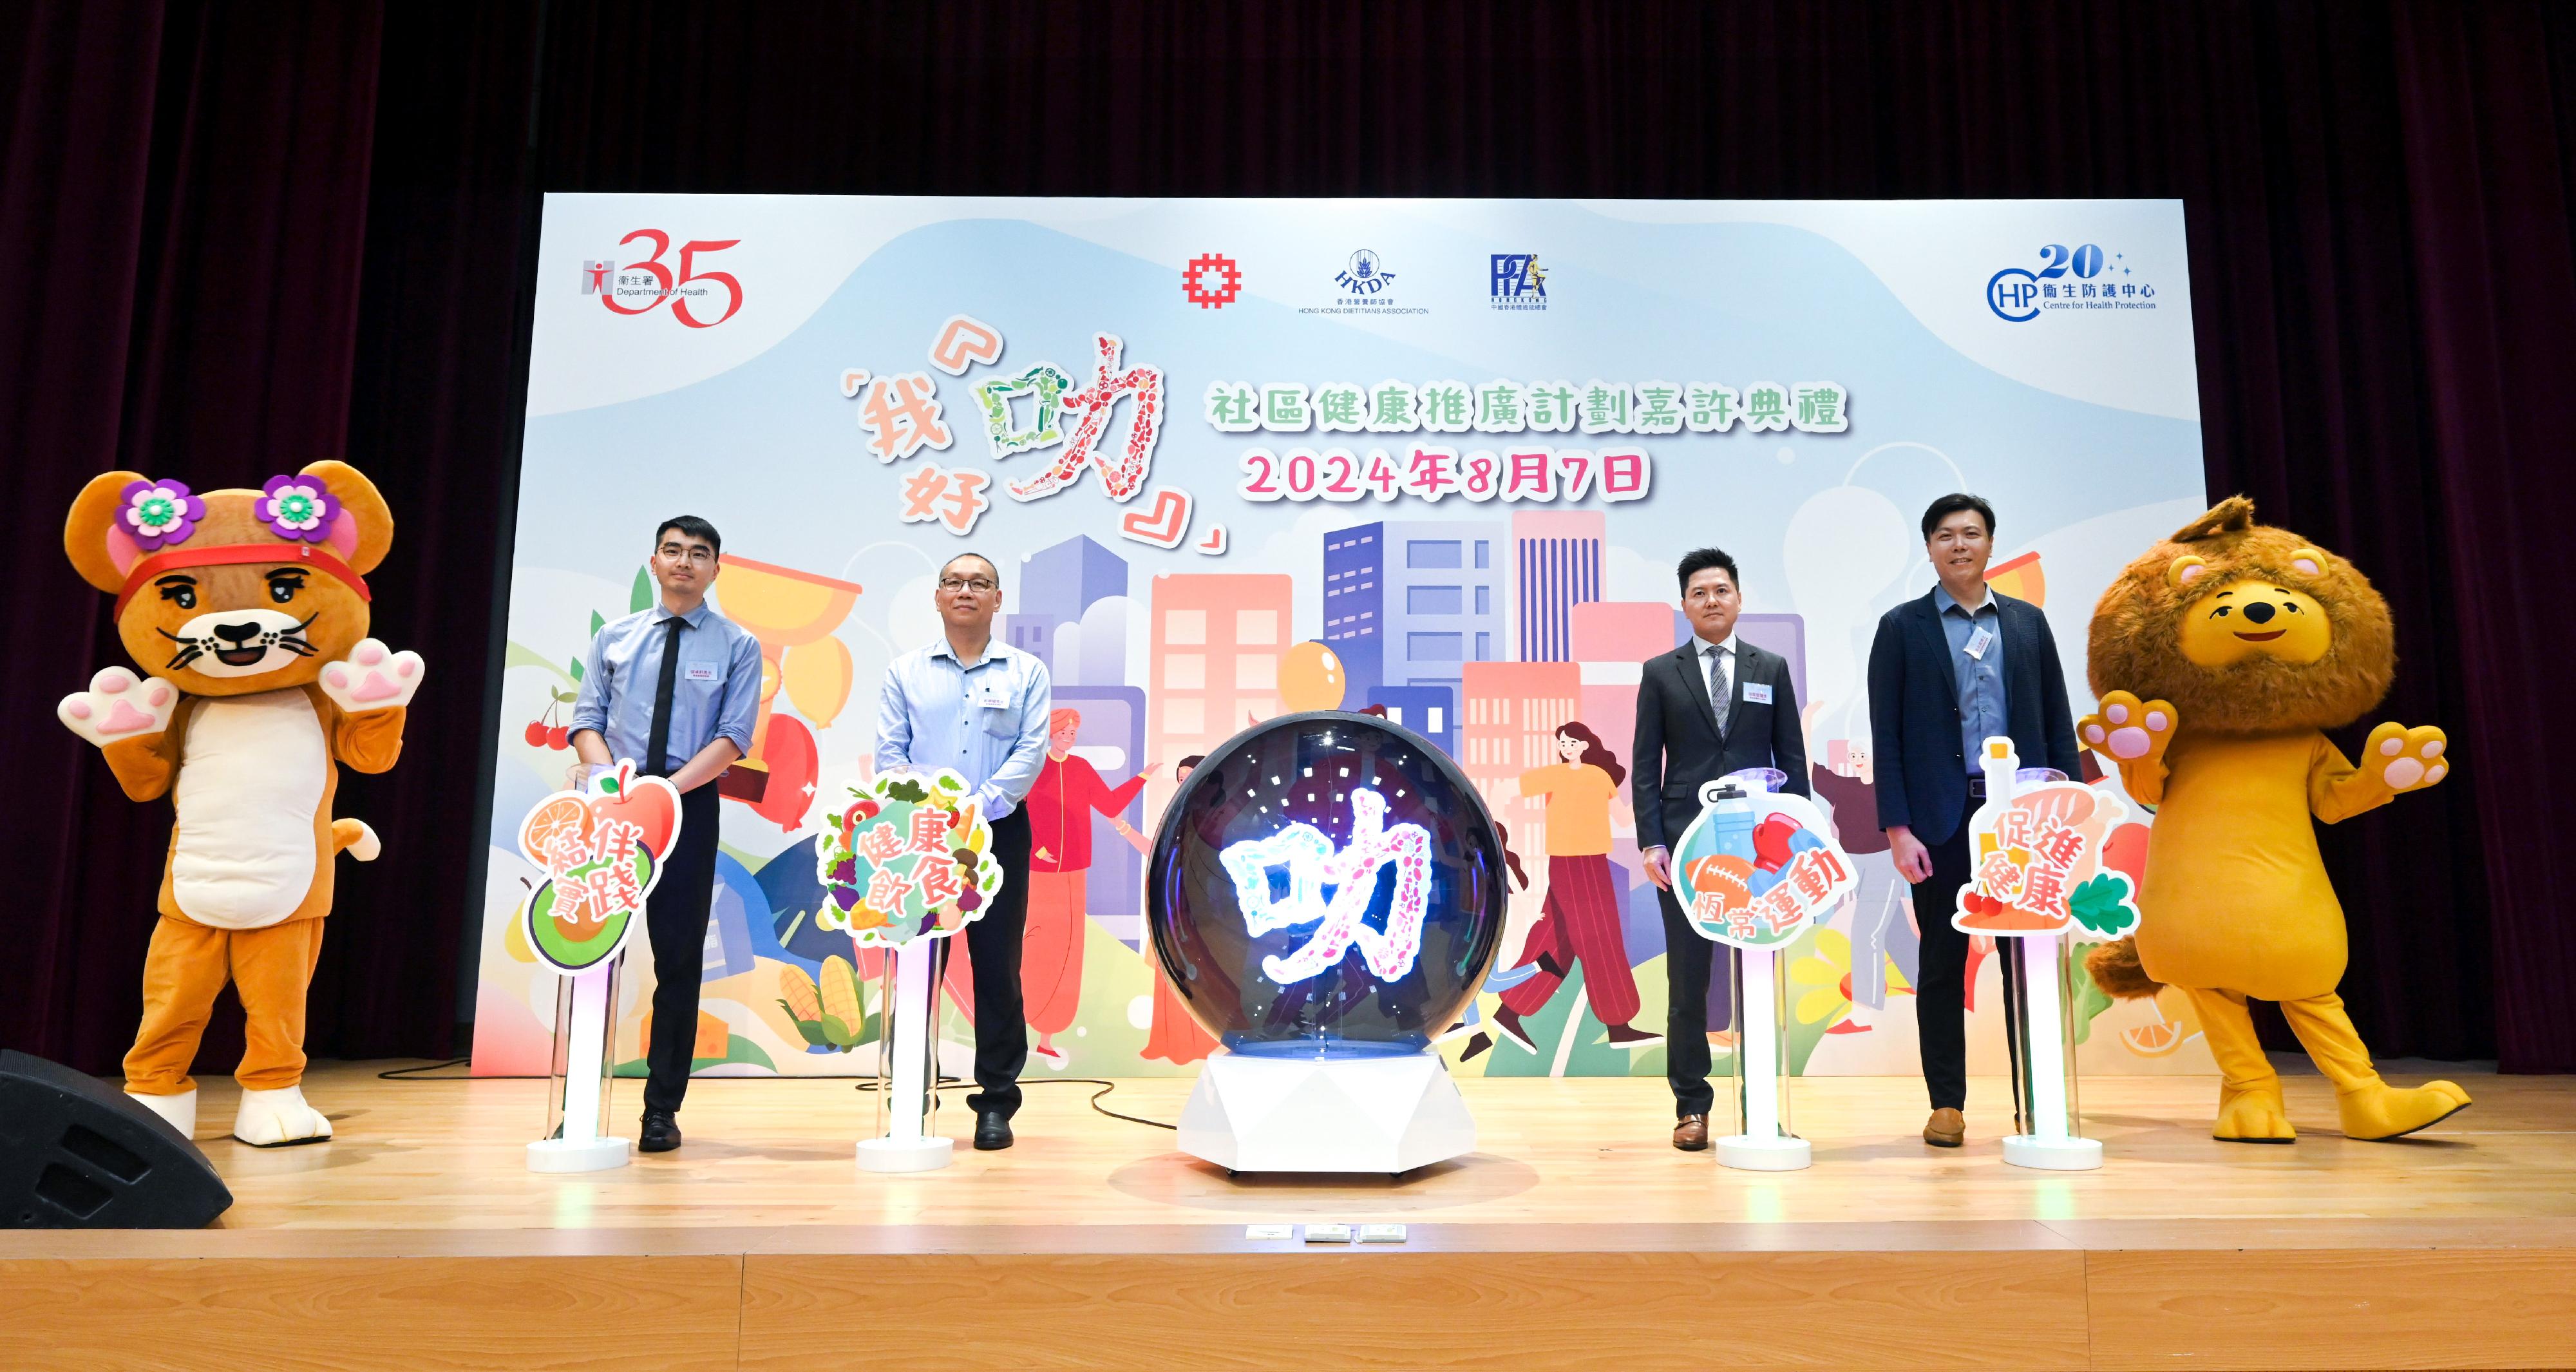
1326 884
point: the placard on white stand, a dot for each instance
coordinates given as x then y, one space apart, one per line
579 1095
2047 1034
908 1067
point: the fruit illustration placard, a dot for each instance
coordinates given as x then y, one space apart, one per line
910 856
2039 866
601 851
1759 882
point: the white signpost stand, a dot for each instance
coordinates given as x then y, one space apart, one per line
908 1069
1764 1146
580 1146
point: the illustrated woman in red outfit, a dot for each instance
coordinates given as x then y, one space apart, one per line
1580 922
1068 791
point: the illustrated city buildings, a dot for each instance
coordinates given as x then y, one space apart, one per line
1481 635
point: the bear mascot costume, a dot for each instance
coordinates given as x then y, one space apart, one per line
251 607
2220 658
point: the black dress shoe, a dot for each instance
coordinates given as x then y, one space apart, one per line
661 1132
992 1131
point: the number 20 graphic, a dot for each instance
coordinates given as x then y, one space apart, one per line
670 285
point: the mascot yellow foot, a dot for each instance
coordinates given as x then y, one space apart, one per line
2377 1111
2253 1114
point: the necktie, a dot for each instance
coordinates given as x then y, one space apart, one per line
1721 688
657 740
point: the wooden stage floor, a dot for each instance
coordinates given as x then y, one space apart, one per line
1576 1237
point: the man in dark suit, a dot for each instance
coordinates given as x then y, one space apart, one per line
1712 706
1960 665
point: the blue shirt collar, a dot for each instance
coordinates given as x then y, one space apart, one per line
994 649
1943 602
696 619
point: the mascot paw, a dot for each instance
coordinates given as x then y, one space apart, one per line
2382 1111
2127 729
179 1110
2253 1115
274 1119
372 678
119 706
2406 759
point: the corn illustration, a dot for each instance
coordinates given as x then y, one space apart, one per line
843 1012
798 989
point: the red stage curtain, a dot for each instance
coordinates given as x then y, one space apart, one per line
2376 194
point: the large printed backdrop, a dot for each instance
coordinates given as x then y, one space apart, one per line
1456 445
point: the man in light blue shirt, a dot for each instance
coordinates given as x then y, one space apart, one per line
1977 653
675 688
979 706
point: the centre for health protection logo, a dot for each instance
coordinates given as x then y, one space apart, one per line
1518 281
2081 278
1211 281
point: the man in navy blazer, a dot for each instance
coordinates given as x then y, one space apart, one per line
1685 739
1948 671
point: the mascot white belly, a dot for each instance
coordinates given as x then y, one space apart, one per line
250 782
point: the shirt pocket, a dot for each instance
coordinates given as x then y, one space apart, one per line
1000 721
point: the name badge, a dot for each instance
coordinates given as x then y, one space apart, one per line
1978 642
701 671
1757 693
991 698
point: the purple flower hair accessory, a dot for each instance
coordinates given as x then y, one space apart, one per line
297 507
159 513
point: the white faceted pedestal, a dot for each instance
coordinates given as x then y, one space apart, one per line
1280 1114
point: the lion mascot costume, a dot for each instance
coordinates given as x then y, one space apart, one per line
2220 658
252 606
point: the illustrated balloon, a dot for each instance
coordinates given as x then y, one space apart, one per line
818 679
1310 678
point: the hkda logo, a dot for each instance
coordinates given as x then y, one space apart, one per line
641 286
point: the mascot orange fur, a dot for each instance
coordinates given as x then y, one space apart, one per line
253 604
2219 659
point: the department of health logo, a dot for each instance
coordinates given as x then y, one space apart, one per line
594 276
1211 281
1366 275
2082 278
1519 282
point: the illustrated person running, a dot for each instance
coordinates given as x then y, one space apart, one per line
1580 921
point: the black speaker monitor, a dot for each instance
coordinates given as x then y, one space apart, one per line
76 1153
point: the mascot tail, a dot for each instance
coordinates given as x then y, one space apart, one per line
2116 969
355 838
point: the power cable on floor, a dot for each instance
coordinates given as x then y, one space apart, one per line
417 1073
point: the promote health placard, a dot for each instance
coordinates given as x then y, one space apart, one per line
1434 459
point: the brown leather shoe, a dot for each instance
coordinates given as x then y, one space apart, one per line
1691 1135
1946 1129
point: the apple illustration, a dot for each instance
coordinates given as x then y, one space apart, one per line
648 803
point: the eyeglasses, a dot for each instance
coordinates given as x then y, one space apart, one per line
958 585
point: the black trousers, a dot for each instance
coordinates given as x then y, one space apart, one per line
1941 991
1001 1018
675 919
1686 962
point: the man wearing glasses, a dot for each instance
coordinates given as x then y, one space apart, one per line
675 687
969 703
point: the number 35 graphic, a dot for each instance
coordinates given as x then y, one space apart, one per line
671 287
